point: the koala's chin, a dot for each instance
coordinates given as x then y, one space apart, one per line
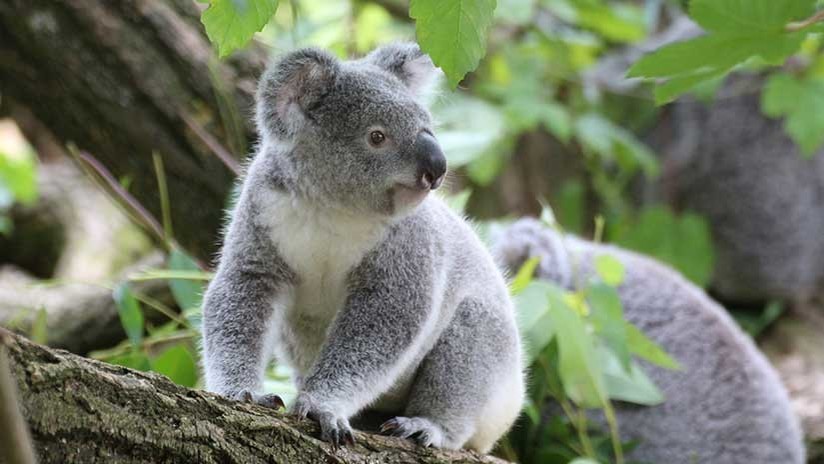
406 198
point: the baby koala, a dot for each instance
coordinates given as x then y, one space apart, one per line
340 263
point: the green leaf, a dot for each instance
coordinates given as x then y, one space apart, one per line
578 363
18 178
39 332
178 364
671 89
133 359
628 383
188 293
640 345
714 53
131 316
524 275
534 323
230 24
468 128
740 17
609 269
683 242
453 33
805 122
607 316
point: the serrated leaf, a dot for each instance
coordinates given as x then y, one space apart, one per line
713 53
178 364
745 17
453 33
804 122
677 86
131 316
230 24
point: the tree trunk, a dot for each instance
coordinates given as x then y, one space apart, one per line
123 79
81 410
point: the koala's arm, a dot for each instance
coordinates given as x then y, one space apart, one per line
386 315
238 308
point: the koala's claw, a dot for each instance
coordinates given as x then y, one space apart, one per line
269 400
333 428
421 430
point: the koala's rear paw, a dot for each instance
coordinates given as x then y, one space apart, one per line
421 430
334 428
268 399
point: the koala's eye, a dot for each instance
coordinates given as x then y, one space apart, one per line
377 138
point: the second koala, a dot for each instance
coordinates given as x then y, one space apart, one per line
339 262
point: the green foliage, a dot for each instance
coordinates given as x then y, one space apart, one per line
230 24
783 95
18 182
738 30
131 316
755 323
188 293
682 241
178 364
453 33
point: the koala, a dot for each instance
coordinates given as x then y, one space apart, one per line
725 406
728 162
739 169
339 262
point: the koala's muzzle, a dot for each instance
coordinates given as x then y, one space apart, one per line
431 161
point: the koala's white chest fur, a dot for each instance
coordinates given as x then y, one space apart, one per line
321 247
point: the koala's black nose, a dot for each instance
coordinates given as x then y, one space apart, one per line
431 161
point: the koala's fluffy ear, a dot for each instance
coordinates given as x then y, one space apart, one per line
406 61
290 87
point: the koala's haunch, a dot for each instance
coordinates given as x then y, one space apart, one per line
339 263
725 406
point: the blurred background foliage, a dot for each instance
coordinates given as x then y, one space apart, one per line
532 131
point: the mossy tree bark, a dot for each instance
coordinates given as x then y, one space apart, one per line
81 410
124 79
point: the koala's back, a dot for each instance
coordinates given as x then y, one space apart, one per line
762 198
725 406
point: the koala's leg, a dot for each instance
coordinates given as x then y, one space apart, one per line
469 389
250 285
386 317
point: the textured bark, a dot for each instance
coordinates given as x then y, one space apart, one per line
84 411
122 79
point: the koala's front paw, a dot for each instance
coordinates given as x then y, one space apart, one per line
268 399
334 428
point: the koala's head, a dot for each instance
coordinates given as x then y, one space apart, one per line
353 134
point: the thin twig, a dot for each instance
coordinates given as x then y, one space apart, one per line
165 206
797 26
143 216
212 144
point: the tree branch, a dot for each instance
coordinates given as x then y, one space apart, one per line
81 410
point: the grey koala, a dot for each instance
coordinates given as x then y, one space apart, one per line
339 262
726 405
762 198
738 168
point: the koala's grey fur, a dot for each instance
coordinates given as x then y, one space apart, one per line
740 170
377 297
726 405
763 200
